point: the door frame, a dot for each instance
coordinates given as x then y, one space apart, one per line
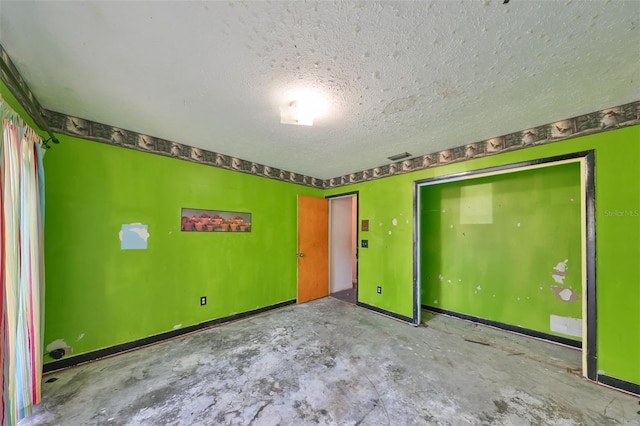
345 195
588 231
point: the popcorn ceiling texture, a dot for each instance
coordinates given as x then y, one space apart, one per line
205 80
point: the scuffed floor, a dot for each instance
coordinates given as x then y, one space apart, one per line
332 363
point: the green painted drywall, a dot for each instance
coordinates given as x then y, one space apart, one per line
99 295
389 259
495 247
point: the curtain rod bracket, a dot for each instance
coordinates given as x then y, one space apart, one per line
45 143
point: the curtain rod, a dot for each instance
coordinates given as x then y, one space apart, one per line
11 77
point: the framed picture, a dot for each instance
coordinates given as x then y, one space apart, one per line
198 220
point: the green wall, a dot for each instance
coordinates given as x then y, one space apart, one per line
389 259
491 247
110 296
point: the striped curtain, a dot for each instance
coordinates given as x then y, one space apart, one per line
22 272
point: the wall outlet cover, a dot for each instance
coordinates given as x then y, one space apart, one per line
203 300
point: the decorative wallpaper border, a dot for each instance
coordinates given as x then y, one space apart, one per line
16 84
595 122
98 132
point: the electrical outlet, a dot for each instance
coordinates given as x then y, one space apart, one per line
379 289
365 243
203 300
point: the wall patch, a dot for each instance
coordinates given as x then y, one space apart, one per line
134 236
566 325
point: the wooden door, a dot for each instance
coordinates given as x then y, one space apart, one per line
313 248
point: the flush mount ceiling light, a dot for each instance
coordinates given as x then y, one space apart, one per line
303 109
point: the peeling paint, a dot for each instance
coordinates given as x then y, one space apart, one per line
566 294
479 288
177 326
560 271
389 232
518 224
80 337
394 222
440 277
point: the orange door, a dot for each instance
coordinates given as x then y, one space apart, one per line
313 248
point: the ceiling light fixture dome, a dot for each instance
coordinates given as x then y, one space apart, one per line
306 106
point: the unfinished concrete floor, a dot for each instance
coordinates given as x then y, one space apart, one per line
329 362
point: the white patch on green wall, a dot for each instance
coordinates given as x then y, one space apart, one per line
566 325
56 344
177 326
134 236
476 204
59 344
560 271
566 294
394 222
80 337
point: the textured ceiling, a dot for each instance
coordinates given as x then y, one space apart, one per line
397 76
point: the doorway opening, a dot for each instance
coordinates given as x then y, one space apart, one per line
343 247
512 247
